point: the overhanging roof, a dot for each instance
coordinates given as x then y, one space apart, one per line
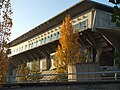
73 11
113 35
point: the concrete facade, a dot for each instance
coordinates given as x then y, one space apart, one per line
83 67
89 17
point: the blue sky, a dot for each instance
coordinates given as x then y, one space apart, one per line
28 14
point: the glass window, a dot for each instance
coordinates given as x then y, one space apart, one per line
54 36
36 43
83 24
39 42
16 50
22 48
19 49
76 27
29 46
58 34
47 39
51 37
25 47
42 41
32 45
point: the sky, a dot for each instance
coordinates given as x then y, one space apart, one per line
27 14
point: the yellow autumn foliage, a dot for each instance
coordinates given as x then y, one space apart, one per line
68 51
22 72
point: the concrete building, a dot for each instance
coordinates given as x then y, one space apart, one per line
97 34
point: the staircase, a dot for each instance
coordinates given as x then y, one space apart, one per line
48 75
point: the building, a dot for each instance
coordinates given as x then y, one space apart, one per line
97 34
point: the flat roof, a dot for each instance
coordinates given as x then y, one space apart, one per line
76 9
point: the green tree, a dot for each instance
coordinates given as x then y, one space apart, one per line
116 14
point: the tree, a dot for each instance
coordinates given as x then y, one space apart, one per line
68 51
22 72
34 71
116 14
5 31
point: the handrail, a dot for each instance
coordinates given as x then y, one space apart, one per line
103 75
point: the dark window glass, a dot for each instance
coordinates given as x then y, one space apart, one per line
54 36
39 42
83 24
25 47
32 45
58 34
47 39
36 43
76 27
29 46
42 41
51 38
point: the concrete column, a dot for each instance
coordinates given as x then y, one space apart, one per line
48 62
11 67
72 69
99 52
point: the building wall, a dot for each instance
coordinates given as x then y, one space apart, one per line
90 19
80 22
103 20
40 65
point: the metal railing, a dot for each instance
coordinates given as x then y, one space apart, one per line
78 77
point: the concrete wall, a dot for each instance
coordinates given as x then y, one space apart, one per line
103 20
83 67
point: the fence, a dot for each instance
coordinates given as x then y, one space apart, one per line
86 76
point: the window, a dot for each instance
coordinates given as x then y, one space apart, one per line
83 24
47 39
36 43
29 46
51 38
32 45
39 42
19 49
54 36
25 47
22 48
58 35
76 27
42 41
16 50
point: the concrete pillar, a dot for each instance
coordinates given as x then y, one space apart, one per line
48 62
81 68
99 52
72 69
11 67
